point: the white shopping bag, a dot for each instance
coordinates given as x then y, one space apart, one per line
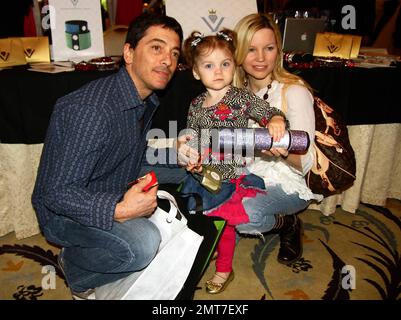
165 276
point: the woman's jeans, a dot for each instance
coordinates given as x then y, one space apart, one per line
263 207
93 257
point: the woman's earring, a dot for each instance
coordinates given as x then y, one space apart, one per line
245 83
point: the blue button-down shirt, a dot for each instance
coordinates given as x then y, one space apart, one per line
93 148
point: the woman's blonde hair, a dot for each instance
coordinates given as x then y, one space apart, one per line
245 30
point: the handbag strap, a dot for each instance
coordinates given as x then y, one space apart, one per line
198 201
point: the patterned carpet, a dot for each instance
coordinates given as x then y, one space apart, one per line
346 257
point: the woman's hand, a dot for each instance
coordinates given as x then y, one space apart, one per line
293 159
277 152
276 127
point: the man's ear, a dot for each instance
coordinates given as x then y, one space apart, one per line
196 75
128 53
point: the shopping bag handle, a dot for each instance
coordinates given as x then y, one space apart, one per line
174 210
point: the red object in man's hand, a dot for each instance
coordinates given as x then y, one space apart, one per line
152 183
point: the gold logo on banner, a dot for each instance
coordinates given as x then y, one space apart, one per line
213 26
212 15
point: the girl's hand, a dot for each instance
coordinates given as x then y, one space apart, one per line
185 153
276 127
194 168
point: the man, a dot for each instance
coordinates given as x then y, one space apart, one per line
94 147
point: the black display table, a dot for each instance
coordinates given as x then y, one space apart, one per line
362 96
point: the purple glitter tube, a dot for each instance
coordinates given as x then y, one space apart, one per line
259 139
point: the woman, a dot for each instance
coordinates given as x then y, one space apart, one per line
223 106
259 69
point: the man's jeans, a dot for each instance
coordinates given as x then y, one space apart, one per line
93 257
263 207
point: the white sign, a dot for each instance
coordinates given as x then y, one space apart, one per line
209 16
77 32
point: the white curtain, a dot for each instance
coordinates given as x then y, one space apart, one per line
18 169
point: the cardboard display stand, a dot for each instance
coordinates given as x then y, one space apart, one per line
76 30
20 51
343 46
11 52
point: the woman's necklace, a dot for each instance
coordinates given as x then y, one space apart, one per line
266 95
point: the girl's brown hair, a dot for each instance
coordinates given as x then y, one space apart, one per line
197 45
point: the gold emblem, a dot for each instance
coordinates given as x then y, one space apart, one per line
29 52
4 55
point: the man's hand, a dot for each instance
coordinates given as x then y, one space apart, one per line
137 203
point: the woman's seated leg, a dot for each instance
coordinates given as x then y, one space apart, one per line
263 208
276 211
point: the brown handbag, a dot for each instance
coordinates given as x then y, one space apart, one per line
334 166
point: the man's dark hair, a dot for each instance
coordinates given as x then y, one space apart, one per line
138 27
